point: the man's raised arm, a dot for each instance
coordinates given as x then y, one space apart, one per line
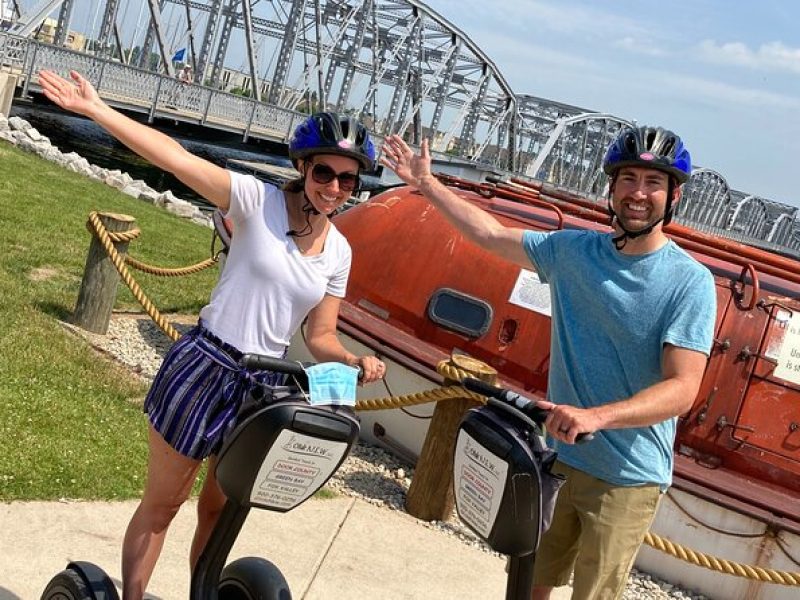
475 223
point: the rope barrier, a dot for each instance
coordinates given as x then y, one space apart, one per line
443 393
168 272
105 239
720 565
445 369
132 234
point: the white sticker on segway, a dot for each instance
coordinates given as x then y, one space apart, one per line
296 467
529 292
480 480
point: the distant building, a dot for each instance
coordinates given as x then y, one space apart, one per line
47 34
241 82
7 15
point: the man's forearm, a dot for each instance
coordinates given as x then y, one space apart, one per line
475 223
659 402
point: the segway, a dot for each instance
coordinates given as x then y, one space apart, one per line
282 450
504 489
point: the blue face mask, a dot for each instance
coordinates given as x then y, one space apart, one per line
332 383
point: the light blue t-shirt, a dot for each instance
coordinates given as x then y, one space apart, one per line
612 315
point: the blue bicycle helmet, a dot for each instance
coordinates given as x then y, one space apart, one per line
330 133
651 147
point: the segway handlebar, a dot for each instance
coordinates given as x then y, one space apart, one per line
525 405
254 362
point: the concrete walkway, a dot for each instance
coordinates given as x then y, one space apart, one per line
327 549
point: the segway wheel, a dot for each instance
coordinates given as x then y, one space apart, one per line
67 585
252 578
80 581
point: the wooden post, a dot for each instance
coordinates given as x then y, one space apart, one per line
430 496
100 278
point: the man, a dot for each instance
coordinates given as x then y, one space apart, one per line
185 75
632 326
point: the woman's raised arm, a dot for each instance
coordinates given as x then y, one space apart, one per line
204 177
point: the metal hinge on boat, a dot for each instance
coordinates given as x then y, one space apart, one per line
723 345
768 306
746 354
703 412
723 422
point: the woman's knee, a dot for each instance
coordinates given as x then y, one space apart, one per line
160 510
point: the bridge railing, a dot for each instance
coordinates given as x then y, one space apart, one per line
12 51
157 95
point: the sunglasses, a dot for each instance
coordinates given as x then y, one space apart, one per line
323 174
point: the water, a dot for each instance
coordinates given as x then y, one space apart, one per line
75 134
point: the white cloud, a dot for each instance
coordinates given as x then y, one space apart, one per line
723 94
636 45
566 19
562 17
774 56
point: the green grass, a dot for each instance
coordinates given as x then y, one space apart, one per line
71 424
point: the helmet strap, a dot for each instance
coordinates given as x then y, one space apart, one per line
308 210
668 210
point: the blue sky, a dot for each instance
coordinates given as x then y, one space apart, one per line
725 76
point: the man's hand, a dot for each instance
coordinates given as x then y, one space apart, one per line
399 157
565 422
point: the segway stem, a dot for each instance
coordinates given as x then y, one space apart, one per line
520 577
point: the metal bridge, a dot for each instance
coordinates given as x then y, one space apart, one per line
396 64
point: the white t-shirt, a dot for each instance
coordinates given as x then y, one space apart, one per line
268 287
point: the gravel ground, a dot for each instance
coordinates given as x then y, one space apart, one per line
368 473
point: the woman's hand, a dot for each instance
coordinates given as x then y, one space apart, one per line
372 368
400 158
79 97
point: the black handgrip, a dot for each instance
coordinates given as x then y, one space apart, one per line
481 387
255 362
525 405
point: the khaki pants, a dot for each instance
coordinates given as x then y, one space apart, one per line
596 531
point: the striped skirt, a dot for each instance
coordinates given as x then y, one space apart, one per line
197 393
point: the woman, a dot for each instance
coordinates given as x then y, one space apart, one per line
287 262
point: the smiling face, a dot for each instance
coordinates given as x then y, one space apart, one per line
639 197
330 180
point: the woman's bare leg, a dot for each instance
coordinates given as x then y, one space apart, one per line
209 507
170 476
